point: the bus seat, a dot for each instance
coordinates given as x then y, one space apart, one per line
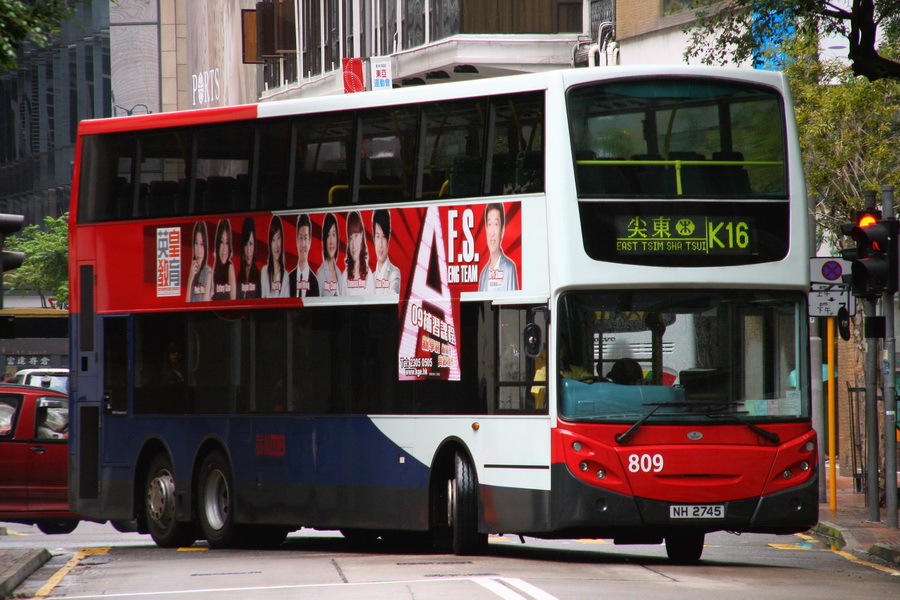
584 399
606 178
465 177
217 196
654 179
240 195
310 189
529 171
731 179
695 179
503 172
161 198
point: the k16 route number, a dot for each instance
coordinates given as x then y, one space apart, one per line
645 463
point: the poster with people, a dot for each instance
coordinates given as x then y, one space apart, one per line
423 257
335 253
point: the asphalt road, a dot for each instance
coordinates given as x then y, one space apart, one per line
96 561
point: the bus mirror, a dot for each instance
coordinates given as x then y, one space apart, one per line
533 340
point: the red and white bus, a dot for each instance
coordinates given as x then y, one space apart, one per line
568 304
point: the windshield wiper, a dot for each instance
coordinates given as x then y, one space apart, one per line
627 435
769 435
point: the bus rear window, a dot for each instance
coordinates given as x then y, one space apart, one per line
677 137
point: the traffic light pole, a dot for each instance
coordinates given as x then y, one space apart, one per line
871 370
890 393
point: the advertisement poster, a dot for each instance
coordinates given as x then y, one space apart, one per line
423 257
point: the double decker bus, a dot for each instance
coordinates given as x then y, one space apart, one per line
561 305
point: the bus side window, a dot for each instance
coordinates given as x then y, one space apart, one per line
224 155
517 161
453 158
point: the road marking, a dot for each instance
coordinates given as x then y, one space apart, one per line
807 545
54 580
192 549
501 586
594 541
856 559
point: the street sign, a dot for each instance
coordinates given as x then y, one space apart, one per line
826 300
828 270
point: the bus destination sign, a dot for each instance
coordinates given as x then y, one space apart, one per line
684 235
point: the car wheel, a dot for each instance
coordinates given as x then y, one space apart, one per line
57 526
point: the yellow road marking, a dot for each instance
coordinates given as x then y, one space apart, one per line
594 541
79 556
789 547
192 549
856 559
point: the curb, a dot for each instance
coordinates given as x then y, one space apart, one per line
835 536
841 538
889 553
20 569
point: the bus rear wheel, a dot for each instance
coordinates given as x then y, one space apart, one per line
215 502
685 547
159 507
462 509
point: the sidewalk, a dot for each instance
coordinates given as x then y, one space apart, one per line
849 529
846 529
17 564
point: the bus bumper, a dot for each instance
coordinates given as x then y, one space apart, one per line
582 510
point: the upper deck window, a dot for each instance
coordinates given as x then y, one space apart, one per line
678 137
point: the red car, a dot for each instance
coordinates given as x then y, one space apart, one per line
34 431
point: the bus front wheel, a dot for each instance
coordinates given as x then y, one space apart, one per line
159 507
215 502
685 547
462 509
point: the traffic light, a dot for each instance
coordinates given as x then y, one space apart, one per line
874 259
10 260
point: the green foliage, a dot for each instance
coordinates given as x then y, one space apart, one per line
738 30
29 22
46 266
849 128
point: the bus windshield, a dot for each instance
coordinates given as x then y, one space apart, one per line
678 137
685 355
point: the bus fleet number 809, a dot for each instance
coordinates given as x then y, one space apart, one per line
645 463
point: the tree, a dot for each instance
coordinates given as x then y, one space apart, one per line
848 129
35 22
739 29
46 266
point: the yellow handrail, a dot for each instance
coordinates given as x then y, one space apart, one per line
679 163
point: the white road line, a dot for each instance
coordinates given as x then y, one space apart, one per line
534 592
494 584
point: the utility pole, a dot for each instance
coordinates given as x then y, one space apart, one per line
888 384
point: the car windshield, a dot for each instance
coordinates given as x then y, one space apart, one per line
682 356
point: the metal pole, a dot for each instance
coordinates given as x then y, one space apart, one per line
818 410
871 367
832 422
890 394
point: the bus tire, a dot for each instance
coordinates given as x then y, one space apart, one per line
462 509
685 547
215 502
159 507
